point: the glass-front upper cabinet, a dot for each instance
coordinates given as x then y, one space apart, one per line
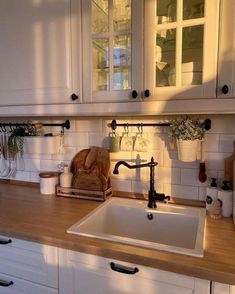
181 48
112 49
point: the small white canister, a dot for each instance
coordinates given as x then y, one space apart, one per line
48 182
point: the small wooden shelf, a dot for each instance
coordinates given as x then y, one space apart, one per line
84 194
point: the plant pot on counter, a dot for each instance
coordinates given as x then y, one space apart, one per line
187 150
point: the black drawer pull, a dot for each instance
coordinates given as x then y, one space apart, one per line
74 97
123 269
134 94
6 283
147 93
4 242
225 89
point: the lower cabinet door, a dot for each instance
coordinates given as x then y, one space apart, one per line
87 274
12 285
219 288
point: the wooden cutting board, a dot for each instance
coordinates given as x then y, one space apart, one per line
228 167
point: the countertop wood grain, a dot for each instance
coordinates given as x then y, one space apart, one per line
28 215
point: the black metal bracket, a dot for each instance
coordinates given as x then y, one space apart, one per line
114 124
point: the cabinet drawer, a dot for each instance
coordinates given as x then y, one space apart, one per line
30 261
19 286
101 266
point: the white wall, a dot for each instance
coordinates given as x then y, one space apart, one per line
172 176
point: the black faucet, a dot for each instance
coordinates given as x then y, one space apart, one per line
152 194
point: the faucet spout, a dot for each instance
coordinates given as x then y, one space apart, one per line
152 195
122 162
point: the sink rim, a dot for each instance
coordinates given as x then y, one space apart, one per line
197 251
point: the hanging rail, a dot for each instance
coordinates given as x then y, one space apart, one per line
114 124
63 125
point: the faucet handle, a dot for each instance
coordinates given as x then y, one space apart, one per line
167 199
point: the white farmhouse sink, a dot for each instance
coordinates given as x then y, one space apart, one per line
172 228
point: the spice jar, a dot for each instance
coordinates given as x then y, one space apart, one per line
48 182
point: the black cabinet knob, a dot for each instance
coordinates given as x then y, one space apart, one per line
225 89
74 97
147 93
134 94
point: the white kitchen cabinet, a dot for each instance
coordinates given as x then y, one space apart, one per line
226 70
219 288
84 274
40 52
112 49
164 50
181 48
20 286
27 266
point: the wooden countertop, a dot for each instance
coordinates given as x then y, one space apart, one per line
28 215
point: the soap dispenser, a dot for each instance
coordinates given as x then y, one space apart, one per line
66 178
225 195
211 193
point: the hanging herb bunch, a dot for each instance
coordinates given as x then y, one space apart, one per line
15 142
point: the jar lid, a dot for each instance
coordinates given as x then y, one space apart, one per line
49 174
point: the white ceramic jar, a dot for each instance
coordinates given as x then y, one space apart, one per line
48 182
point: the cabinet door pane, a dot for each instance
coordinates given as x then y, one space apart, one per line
99 16
100 48
121 15
122 62
193 9
192 55
165 58
166 11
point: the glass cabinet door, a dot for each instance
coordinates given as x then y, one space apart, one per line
111 65
181 48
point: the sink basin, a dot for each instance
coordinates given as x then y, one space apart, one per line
173 228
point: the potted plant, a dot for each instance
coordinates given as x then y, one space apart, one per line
187 132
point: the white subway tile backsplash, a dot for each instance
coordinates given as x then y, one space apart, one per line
226 143
191 177
157 141
76 139
202 193
173 177
34 177
96 139
49 165
181 191
22 176
67 154
215 161
121 185
168 175
32 165
212 143
88 125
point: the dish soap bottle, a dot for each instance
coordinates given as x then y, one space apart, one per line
226 197
211 193
66 178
